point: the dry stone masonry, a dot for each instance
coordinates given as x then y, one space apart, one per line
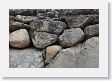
53 38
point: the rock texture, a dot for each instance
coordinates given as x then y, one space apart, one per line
19 39
92 30
17 25
25 58
48 25
71 37
67 58
51 52
90 54
25 19
80 21
43 39
53 38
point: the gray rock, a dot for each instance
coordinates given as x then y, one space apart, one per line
25 19
11 18
66 58
25 58
17 25
51 52
92 30
25 12
72 12
80 21
48 25
90 54
19 38
71 37
43 39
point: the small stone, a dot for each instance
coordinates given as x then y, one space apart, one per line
66 58
18 25
51 52
90 54
25 19
92 30
43 39
25 58
71 37
48 25
19 39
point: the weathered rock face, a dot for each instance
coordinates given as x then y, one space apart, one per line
90 54
67 58
80 21
53 38
71 37
17 25
43 39
25 12
25 19
48 25
77 11
19 38
92 30
25 58
51 52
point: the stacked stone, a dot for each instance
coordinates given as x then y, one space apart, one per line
54 38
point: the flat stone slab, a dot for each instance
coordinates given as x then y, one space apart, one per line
25 58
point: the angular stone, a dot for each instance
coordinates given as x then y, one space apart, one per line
66 58
71 37
51 52
17 25
48 25
80 21
25 58
25 19
92 30
43 39
90 54
19 39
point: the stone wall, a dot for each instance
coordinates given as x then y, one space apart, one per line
53 38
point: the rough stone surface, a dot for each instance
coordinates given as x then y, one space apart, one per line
71 37
17 25
80 21
25 19
19 38
71 12
25 58
92 30
25 12
51 52
90 54
43 39
48 25
66 58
